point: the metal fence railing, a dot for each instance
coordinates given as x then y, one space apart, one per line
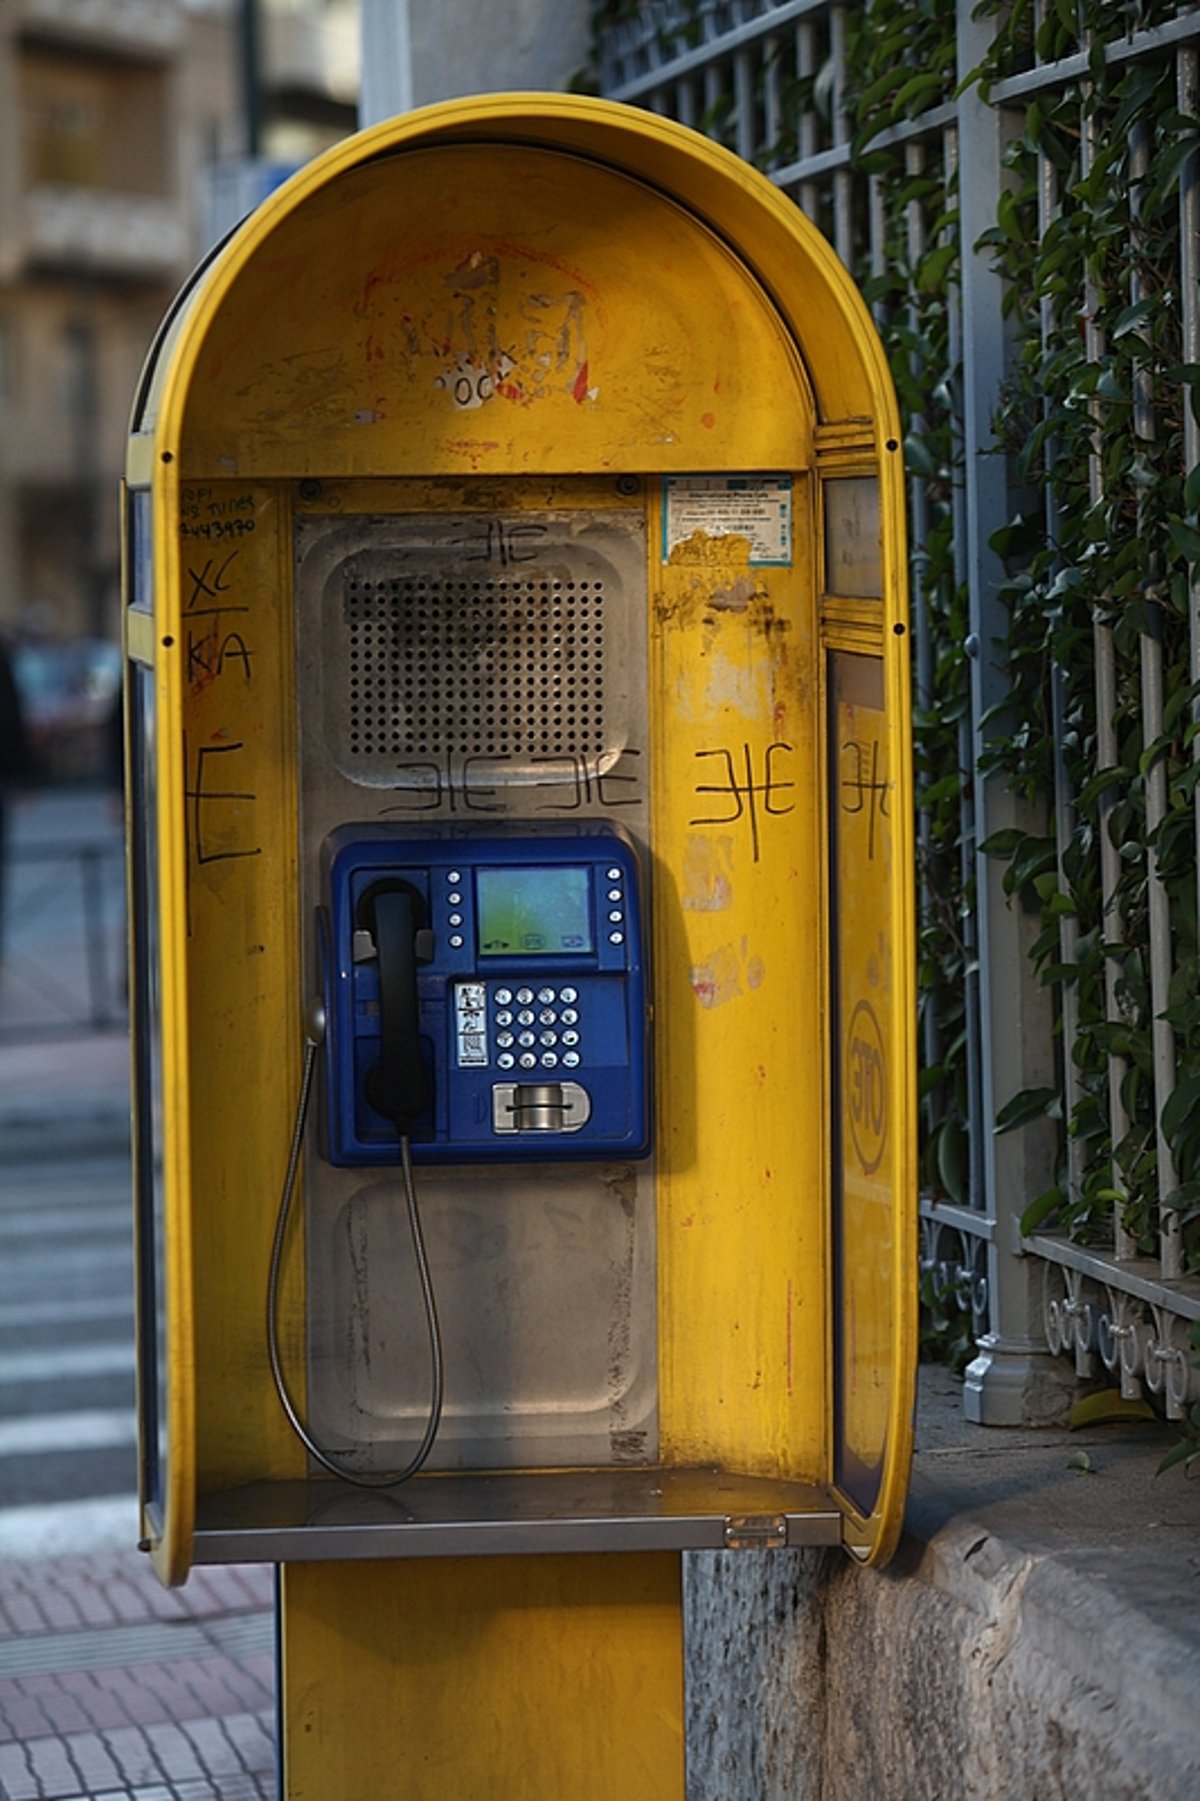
919 208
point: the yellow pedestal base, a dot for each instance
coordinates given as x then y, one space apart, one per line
509 1678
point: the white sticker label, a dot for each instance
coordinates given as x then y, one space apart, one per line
756 507
470 1021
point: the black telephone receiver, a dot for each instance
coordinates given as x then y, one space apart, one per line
394 913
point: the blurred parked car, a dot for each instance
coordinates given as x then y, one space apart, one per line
68 692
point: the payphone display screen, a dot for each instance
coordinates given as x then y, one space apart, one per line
541 911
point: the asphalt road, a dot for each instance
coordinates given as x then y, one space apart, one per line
67 1443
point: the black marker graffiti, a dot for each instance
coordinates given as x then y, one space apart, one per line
745 792
208 654
864 788
209 584
503 543
208 841
481 784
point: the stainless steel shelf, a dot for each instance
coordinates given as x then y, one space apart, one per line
512 1513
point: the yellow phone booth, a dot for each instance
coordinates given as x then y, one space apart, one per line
523 934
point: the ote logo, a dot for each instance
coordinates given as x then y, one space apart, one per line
866 1087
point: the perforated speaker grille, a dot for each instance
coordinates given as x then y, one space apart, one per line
504 667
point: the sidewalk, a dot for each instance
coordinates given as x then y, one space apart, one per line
114 1688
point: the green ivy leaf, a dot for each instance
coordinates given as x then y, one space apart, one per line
1027 1104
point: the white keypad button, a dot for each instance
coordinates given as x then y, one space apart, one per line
570 1059
506 1060
549 1060
524 995
503 996
454 877
526 1016
504 1017
616 937
546 995
570 1037
456 941
570 1017
569 996
504 1039
527 1060
526 1038
548 1038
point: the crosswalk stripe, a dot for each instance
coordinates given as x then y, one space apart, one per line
63 1311
67 1360
93 1430
45 1222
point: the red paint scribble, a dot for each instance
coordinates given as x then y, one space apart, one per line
580 390
472 448
510 390
704 988
708 420
368 288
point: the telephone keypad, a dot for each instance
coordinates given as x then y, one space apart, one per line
546 1025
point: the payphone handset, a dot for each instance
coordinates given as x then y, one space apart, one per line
485 996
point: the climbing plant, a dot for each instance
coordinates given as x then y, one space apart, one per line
1101 551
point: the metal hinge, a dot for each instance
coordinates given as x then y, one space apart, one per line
756 1531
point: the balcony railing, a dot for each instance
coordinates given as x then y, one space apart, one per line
104 233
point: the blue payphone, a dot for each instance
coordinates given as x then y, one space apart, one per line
485 996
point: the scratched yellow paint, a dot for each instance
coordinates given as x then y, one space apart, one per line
481 330
523 1677
233 653
740 1140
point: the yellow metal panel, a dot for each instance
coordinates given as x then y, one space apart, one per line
873 1056
528 311
233 653
741 1151
794 262
171 1536
511 1678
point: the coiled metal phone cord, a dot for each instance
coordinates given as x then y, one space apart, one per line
382 1479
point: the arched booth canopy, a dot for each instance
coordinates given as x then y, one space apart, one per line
528 461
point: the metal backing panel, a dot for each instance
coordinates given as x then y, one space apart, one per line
463 670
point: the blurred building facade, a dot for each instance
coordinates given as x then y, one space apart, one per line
116 119
133 135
